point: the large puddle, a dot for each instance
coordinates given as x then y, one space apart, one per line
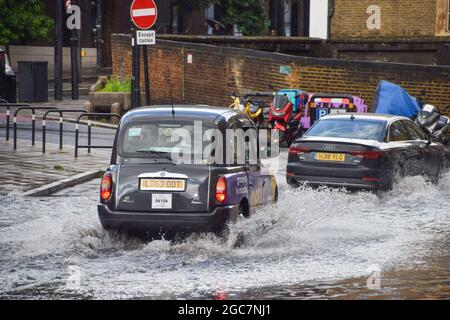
313 244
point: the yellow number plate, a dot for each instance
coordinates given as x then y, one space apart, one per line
162 185
330 157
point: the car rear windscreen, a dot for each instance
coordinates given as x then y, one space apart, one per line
347 128
145 139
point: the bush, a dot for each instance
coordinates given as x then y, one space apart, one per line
115 85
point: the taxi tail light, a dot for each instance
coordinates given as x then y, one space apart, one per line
106 187
367 155
221 189
298 150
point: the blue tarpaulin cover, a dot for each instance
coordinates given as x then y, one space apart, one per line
393 99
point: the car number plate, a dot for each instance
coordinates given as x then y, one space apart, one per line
337 157
161 201
162 185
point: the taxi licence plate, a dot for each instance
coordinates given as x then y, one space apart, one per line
162 185
336 157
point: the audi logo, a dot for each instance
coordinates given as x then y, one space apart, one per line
329 147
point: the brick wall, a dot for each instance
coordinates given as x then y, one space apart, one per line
398 18
217 71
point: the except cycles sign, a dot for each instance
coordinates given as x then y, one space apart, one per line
145 37
144 13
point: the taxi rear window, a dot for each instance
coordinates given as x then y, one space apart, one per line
149 138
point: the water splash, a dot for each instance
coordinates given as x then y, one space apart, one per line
309 235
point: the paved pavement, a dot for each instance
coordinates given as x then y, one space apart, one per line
27 168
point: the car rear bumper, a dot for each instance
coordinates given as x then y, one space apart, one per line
167 222
372 178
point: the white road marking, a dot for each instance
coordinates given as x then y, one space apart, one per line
144 12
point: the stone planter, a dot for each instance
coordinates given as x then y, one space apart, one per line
108 102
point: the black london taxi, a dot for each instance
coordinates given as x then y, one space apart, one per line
147 187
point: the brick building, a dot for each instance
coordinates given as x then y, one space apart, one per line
378 30
198 73
398 18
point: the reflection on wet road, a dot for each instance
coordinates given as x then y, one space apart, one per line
312 244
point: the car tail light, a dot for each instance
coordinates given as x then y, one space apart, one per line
367 155
221 189
106 187
298 150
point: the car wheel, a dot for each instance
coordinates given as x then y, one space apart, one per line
235 240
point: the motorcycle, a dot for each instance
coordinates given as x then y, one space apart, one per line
285 115
434 123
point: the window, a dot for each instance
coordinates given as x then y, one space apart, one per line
414 131
209 14
448 15
287 18
350 129
398 132
150 139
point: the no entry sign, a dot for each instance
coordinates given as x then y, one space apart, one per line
144 13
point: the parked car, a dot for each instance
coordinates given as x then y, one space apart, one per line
364 151
144 189
8 70
7 79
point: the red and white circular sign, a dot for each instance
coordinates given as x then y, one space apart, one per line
144 13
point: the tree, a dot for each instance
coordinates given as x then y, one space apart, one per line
248 15
23 19
189 6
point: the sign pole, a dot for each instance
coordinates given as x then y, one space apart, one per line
135 79
144 14
58 51
146 76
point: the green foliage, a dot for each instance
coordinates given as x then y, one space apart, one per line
115 85
248 15
188 6
23 19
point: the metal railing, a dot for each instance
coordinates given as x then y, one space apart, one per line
5 103
89 146
61 125
33 122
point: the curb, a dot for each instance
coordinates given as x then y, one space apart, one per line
63 184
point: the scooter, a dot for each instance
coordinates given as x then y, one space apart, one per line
258 107
255 109
434 123
284 118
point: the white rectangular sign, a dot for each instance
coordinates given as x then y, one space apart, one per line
145 37
161 201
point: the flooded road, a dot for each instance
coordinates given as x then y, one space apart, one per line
313 244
